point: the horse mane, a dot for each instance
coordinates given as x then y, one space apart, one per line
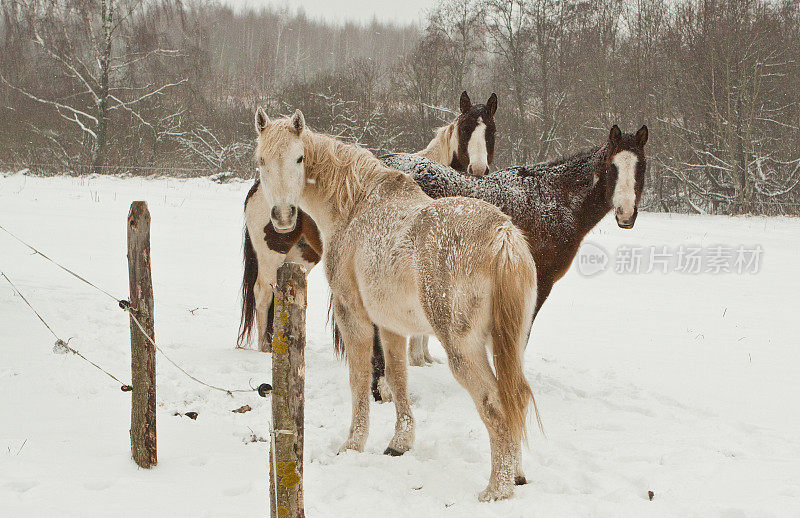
551 192
343 172
438 149
571 166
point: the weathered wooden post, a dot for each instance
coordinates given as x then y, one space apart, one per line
288 385
143 354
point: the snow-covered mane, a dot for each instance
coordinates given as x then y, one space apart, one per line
556 203
342 172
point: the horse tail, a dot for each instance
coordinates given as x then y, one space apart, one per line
513 285
378 365
338 345
248 291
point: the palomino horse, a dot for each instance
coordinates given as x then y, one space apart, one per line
466 144
457 268
554 203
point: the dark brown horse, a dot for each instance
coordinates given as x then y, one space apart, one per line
554 203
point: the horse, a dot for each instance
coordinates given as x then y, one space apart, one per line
554 203
457 268
466 144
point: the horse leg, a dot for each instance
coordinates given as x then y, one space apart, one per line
356 331
268 263
418 353
264 301
519 474
416 350
380 388
470 366
394 353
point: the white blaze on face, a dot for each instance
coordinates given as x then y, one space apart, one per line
624 199
476 148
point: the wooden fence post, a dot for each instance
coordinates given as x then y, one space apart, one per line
288 385
143 354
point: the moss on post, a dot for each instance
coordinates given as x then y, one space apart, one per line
288 386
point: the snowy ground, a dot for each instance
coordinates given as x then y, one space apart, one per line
685 385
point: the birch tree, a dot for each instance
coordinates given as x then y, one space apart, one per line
85 44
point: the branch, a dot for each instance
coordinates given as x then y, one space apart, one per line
439 108
142 57
126 104
75 112
69 66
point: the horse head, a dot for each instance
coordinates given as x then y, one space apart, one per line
279 157
625 167
473 151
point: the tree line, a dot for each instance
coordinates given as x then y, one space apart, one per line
170 87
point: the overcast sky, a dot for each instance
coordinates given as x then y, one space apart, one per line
402 11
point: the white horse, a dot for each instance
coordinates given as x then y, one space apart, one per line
466 145
455 267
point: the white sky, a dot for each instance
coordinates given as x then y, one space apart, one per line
401 11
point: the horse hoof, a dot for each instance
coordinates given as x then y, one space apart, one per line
384 390
492 494
351 446
430 360
392 452
423 361
520 480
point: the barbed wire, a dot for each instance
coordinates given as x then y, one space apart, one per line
62 344
123 304
230 392
37 252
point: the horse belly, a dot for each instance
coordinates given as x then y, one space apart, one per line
395 306
402 319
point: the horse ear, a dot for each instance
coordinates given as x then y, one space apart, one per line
465 102
491 104
615 135
641 136
261 120
298 122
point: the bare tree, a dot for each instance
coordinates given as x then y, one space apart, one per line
734 112
158 83
459 24
510 40
86 42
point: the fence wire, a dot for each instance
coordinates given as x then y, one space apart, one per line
125 306
62 345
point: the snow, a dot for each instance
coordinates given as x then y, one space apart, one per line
685 385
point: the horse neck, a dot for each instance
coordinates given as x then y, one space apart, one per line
596 203
440 149
332 193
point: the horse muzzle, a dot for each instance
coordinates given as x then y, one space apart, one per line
284 219
477 169
624 221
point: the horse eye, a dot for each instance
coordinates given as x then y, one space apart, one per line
261 160
300 160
